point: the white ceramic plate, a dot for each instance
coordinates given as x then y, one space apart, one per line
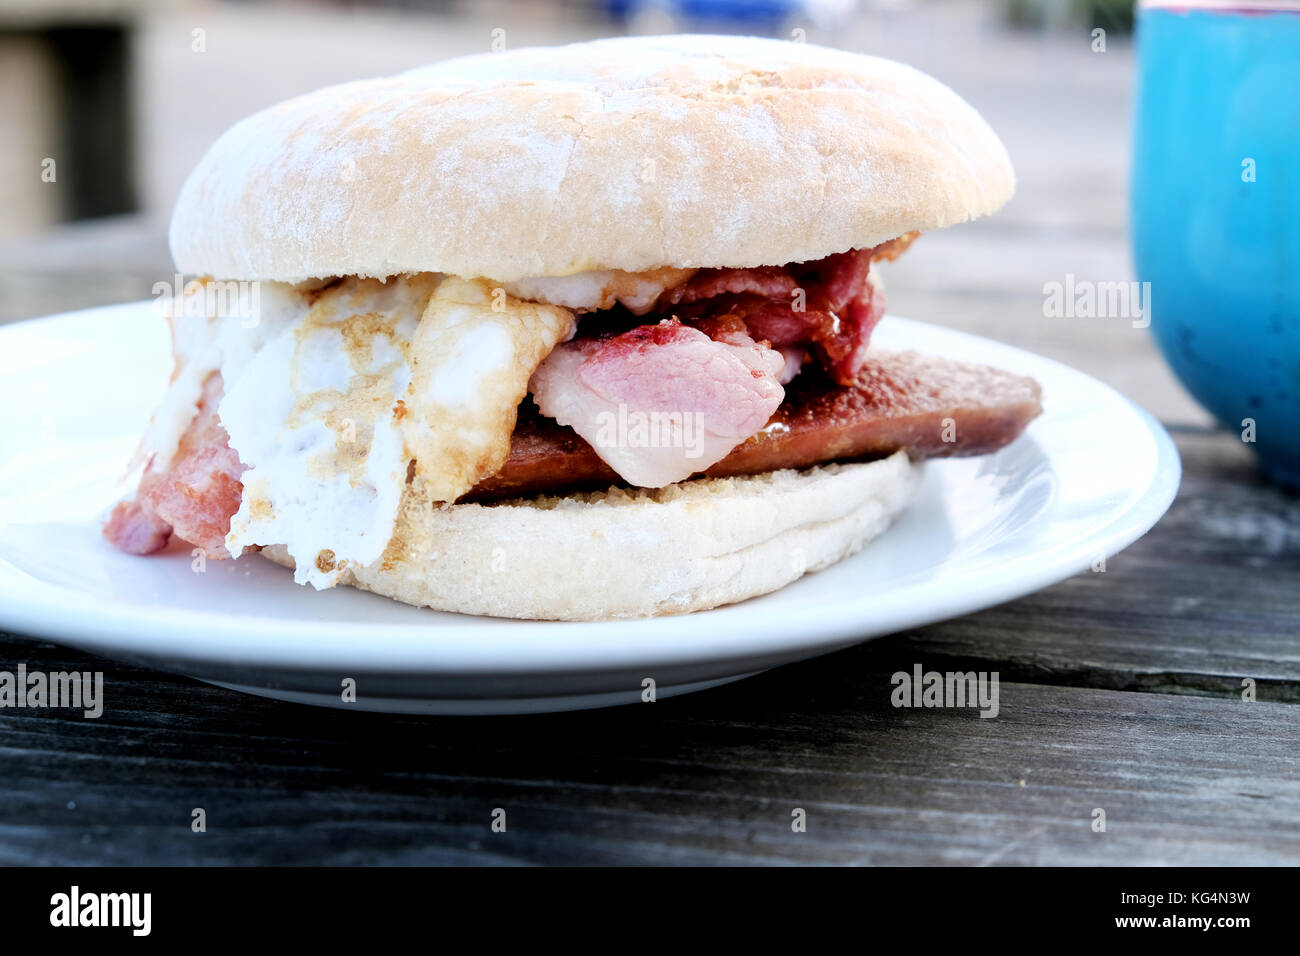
1088 478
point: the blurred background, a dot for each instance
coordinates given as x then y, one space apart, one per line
107 104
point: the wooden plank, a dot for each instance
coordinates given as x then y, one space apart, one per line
711 778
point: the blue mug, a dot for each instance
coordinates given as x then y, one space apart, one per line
1216 211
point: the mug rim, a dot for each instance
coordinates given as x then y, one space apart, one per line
1222 6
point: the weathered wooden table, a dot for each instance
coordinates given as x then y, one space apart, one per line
1121 691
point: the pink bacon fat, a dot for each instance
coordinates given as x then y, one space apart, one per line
194 497
661 402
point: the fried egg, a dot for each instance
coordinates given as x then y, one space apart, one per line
315 416
336 395
601 288
471 359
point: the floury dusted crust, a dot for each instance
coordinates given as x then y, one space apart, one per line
625 154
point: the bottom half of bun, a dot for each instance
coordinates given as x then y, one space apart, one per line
626 553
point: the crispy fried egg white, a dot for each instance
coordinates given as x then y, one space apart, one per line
335 395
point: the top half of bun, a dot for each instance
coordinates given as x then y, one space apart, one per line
635 153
